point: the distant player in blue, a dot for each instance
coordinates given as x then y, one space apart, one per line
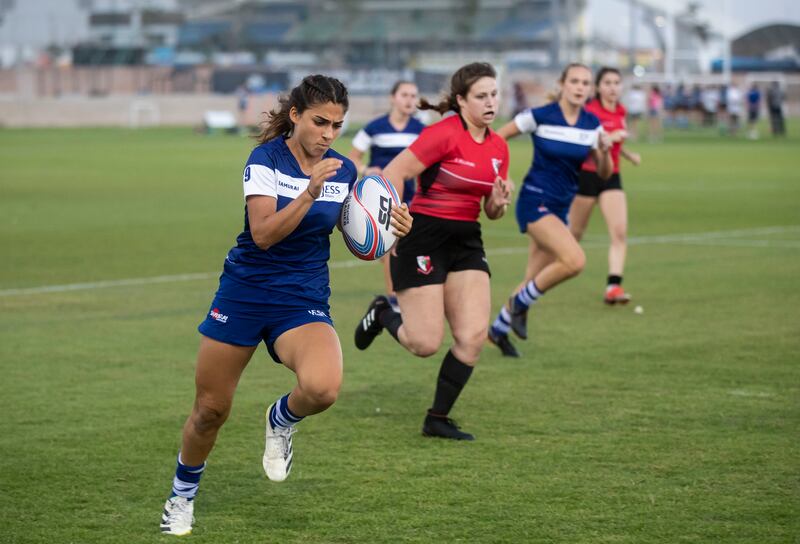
275 287
563 134
384 138
753 111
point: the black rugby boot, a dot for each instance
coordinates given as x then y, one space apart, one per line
370 326
502 342
443 427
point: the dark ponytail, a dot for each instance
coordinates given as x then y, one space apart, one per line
460 84
313 90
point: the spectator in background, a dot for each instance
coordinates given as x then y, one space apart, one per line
696 105
734 99
242 99
775 107
710 105
637 105
520 100
753 111
681 107
655 110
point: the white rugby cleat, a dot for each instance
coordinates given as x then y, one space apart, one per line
277 460
178 516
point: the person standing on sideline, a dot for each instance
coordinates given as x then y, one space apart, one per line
440 271
753 111
655 113
384 138
242 100
637 107
563 134
275 287
606 194
775 108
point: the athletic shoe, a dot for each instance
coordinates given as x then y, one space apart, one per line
519 318
502 342
178 516
277 460
615 294
443 427
370 326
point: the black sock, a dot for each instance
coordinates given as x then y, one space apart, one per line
453 376
391 321
614 280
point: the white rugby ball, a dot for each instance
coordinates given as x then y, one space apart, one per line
366 217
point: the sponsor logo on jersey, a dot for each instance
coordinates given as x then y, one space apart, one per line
318 313
459 160
331 189
543 209
424 264
286 185
218 316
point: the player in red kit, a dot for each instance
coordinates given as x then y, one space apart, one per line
442 274
608 195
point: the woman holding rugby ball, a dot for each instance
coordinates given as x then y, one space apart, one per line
275 287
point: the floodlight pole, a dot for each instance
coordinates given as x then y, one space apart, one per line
727 56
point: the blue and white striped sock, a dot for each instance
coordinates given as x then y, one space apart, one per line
281 416
502 324
527 296
187 480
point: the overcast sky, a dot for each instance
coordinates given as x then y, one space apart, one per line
742 15
38 22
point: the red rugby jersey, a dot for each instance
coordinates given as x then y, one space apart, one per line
459 171
611 121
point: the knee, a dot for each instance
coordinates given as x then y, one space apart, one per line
574 262
322 395
208 416
424 347
469 344
619 234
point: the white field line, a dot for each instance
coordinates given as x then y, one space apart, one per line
720 238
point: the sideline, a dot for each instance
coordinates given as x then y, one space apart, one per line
719 238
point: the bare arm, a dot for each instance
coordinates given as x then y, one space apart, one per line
632 156
268 225
357 156
404 166
496 204
509 130
602 157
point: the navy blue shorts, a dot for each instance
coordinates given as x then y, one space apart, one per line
530 210
244 324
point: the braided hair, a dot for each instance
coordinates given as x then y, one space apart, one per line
314 89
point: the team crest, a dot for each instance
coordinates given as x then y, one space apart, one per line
424 264
496 164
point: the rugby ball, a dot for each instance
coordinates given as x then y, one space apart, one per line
366 217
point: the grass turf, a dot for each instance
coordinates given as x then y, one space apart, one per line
678 425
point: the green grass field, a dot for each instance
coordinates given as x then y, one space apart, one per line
678 425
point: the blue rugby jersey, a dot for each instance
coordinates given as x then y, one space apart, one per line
559 151
294 271
383 141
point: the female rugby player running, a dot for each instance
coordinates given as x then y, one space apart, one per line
440 270
275 287
563 133
607 194
385 137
